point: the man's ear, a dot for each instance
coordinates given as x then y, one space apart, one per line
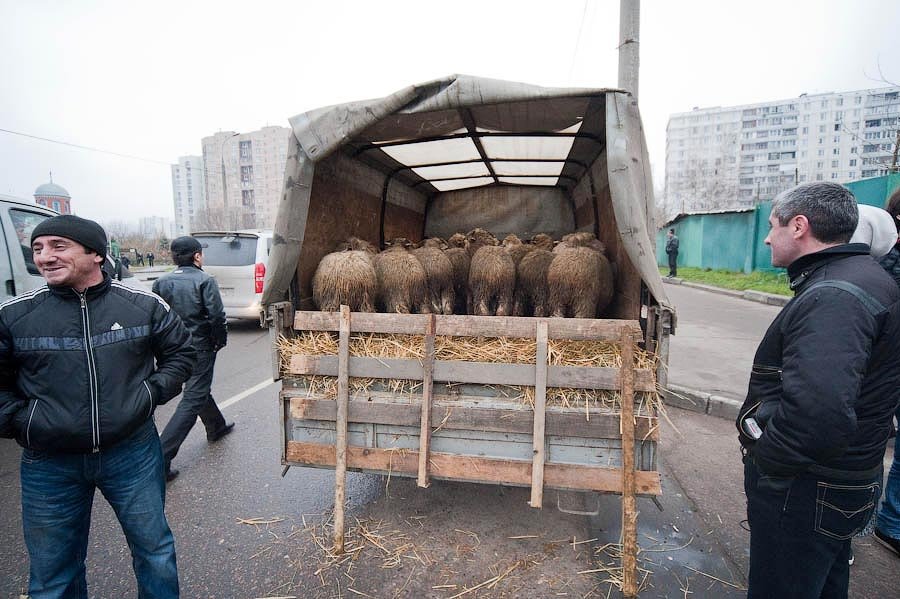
800 226
98 259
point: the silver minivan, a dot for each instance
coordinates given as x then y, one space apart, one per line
237 260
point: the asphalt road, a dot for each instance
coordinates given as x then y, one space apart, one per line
240 527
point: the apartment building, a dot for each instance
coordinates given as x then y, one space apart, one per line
244 175
188 192
734 157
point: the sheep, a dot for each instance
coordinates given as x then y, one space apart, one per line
346 276
459 261
438 274
492 275
516 249
582 239
434 242
580 278
531 283
542 241
402 286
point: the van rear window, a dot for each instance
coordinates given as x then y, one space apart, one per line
229 250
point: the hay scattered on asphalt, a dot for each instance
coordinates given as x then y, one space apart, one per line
472 349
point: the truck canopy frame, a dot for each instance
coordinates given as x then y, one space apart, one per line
462 133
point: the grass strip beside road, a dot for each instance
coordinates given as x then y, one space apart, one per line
765 281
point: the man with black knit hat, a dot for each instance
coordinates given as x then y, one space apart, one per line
84 361
194 295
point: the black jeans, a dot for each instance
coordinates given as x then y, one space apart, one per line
800 531
196 401
673 267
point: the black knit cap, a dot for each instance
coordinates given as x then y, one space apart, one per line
186 246
84 231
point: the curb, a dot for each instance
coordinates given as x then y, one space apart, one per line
759 297
701 402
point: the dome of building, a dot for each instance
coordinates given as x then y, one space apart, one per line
52 189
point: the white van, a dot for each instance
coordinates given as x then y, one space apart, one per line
18 272
237 260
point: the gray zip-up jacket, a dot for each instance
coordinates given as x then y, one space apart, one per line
82 371
194 295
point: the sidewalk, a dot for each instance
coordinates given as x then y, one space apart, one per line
712 350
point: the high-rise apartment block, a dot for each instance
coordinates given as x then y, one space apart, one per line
188 192
245 172
734 157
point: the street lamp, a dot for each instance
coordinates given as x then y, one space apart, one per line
224 183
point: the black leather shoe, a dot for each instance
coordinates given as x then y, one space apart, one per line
220 433
888 541
171 475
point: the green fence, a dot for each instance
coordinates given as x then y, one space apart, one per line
735 240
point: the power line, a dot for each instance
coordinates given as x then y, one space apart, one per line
208 168
578 40
81 147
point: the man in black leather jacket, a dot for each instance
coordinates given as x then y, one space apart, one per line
84 360
820 400
194 295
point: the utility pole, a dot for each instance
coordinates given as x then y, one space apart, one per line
629 47
894 158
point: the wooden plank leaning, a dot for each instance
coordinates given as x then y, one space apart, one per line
629 512
427 392
343 400
540 404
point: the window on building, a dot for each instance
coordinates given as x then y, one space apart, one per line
834 175
835 163
853 150
853 174
820 165
836 151
819 177
853 162
820 152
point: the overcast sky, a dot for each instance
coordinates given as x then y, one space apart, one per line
150 79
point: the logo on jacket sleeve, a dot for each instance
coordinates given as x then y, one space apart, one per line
115 327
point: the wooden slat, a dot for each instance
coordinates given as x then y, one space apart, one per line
454 417
481 373
470 326
467 468
629 510
540 403
342 410
427 392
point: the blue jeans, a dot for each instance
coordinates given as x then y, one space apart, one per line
800 531
57 496
889 516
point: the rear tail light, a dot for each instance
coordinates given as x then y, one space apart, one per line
259 276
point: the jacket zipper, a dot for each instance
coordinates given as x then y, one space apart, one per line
92 373
28 428
150 393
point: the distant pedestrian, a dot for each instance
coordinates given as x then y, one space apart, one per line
887 525
672 252
139 258
84 361
194 295
821 397
150 258
125 261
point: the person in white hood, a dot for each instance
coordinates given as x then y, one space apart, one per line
875 229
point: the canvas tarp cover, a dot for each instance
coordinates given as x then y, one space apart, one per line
439 121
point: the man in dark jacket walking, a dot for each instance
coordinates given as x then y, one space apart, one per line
194 295
672 252
822 393
84 360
